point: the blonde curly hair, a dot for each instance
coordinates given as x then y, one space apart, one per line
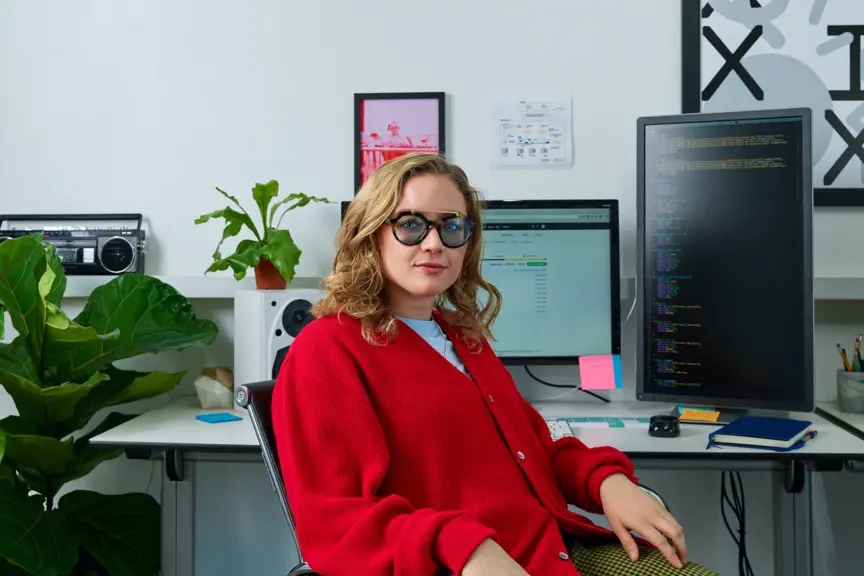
356 286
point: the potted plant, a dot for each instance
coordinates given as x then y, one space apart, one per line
60 372
272 252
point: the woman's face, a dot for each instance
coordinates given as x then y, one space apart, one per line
417 273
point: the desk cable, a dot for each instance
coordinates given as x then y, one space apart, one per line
733 497
573 386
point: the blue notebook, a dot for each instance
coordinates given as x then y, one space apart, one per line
780 434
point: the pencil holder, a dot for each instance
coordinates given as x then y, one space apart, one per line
850 392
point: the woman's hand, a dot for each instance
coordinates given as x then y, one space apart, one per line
489 559
628 507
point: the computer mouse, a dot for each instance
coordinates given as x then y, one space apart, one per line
664 426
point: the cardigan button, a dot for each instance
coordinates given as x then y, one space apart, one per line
520 455
563 556
491 400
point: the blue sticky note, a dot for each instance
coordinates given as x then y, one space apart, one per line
616 368
218 417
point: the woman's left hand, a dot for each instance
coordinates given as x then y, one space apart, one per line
628 507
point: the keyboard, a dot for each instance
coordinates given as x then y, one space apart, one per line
559 428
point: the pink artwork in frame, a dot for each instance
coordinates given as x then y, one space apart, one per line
389 125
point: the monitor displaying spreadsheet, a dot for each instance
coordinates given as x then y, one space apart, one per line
556 264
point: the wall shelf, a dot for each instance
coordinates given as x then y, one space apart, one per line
224 287
838 288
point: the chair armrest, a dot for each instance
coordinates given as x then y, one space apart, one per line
244 393
303 570
651 492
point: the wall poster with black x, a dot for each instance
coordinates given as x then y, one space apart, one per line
772 54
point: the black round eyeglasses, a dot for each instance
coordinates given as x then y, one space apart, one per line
410 228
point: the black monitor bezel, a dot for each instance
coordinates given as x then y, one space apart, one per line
615 270
805 404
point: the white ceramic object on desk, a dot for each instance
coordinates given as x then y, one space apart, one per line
215 389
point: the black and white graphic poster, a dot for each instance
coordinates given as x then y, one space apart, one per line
766 54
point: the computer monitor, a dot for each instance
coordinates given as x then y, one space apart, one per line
556 264
725 260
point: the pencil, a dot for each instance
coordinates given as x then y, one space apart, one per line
858 341
846 365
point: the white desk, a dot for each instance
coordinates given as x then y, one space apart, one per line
852 423
175 427
832 442
172 433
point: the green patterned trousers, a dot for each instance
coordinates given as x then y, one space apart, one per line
611 560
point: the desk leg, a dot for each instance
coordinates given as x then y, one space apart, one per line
804 527
793 530
178 516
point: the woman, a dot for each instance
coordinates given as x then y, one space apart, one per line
406 447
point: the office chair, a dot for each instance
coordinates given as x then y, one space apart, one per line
257 398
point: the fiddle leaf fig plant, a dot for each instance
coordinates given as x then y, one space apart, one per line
269 241
61 374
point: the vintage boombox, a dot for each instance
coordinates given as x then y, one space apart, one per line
85 250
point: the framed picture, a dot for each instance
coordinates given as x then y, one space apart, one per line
390 125
766 54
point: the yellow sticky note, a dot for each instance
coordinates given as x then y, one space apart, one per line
694 415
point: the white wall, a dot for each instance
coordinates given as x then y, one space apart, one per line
146 106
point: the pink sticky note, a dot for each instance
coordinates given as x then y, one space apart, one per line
600 372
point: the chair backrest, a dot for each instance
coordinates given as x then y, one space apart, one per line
257 399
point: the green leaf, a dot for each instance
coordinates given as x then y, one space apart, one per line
37 458
9 569
64 338
122 387
8 478
32 538
299 200
59 406
47 463
52 411
89 456
52 285
150 316
234 222
247 255
57 411
243 210
15 424
19 377
263 194
61 331
282 252
2 321
121 531
22 264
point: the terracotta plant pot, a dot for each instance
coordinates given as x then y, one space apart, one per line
268 278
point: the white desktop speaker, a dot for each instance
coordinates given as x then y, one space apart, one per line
265 324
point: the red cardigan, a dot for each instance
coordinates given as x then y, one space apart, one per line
395 462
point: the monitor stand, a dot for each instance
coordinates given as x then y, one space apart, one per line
725 415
